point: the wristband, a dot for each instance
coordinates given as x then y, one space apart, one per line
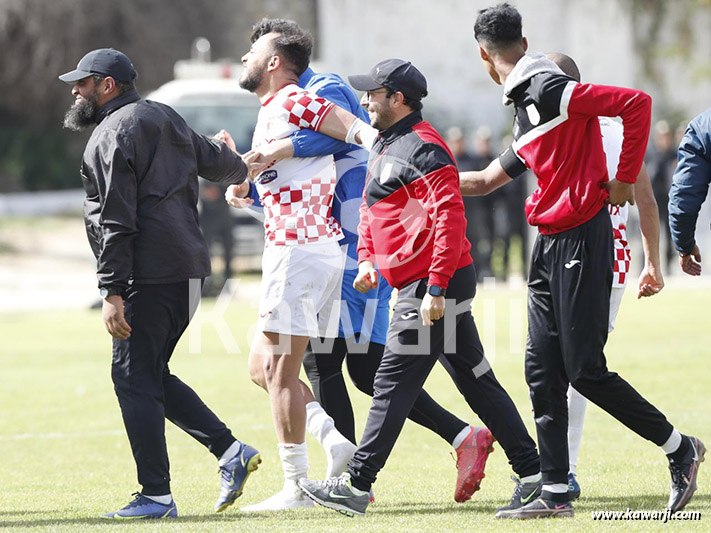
368 135
355 128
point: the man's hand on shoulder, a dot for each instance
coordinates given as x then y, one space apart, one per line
112 313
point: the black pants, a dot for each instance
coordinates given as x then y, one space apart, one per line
568 313
324 371
148 393
407 363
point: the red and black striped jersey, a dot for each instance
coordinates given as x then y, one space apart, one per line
557 135
412 222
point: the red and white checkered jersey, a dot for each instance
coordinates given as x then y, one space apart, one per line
612 134
297 193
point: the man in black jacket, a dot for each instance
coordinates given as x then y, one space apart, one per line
140 170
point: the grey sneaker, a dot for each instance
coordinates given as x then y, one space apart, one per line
523 494
336 493
539 508
683 475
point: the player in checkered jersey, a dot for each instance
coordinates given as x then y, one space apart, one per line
365 317
650 280
302 263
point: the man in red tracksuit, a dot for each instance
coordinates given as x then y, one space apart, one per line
412 227
557 135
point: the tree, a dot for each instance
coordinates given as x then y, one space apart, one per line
44 38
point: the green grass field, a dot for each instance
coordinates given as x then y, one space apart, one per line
64 458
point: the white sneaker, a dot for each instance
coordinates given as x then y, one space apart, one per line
338 456
290 497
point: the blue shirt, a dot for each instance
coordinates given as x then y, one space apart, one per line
690 183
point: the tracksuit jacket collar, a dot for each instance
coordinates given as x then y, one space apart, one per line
527 67
116 103
400 127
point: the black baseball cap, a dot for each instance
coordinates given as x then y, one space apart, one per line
394 74
102 62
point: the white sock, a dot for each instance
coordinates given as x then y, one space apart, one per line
318 423
577 404
165 499
294 461
229 453
323 429
556 488
535 478
463 434
673 442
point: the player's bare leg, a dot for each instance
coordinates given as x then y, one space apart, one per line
274 364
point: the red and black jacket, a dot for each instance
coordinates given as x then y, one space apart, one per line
412 222
557 135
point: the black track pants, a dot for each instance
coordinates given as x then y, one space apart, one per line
148 393
568 312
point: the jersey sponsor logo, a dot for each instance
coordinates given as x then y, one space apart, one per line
266 177
570 264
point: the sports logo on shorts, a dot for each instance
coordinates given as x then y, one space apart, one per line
266 177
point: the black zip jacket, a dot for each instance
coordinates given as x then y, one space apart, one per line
140 170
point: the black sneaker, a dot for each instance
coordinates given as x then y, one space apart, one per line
683 475
539 508
336 493
523 493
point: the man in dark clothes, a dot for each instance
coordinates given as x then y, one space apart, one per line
140 172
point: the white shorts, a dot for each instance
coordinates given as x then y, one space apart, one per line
615 301
301 288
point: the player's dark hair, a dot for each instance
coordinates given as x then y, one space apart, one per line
415 105
293 43
498 27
